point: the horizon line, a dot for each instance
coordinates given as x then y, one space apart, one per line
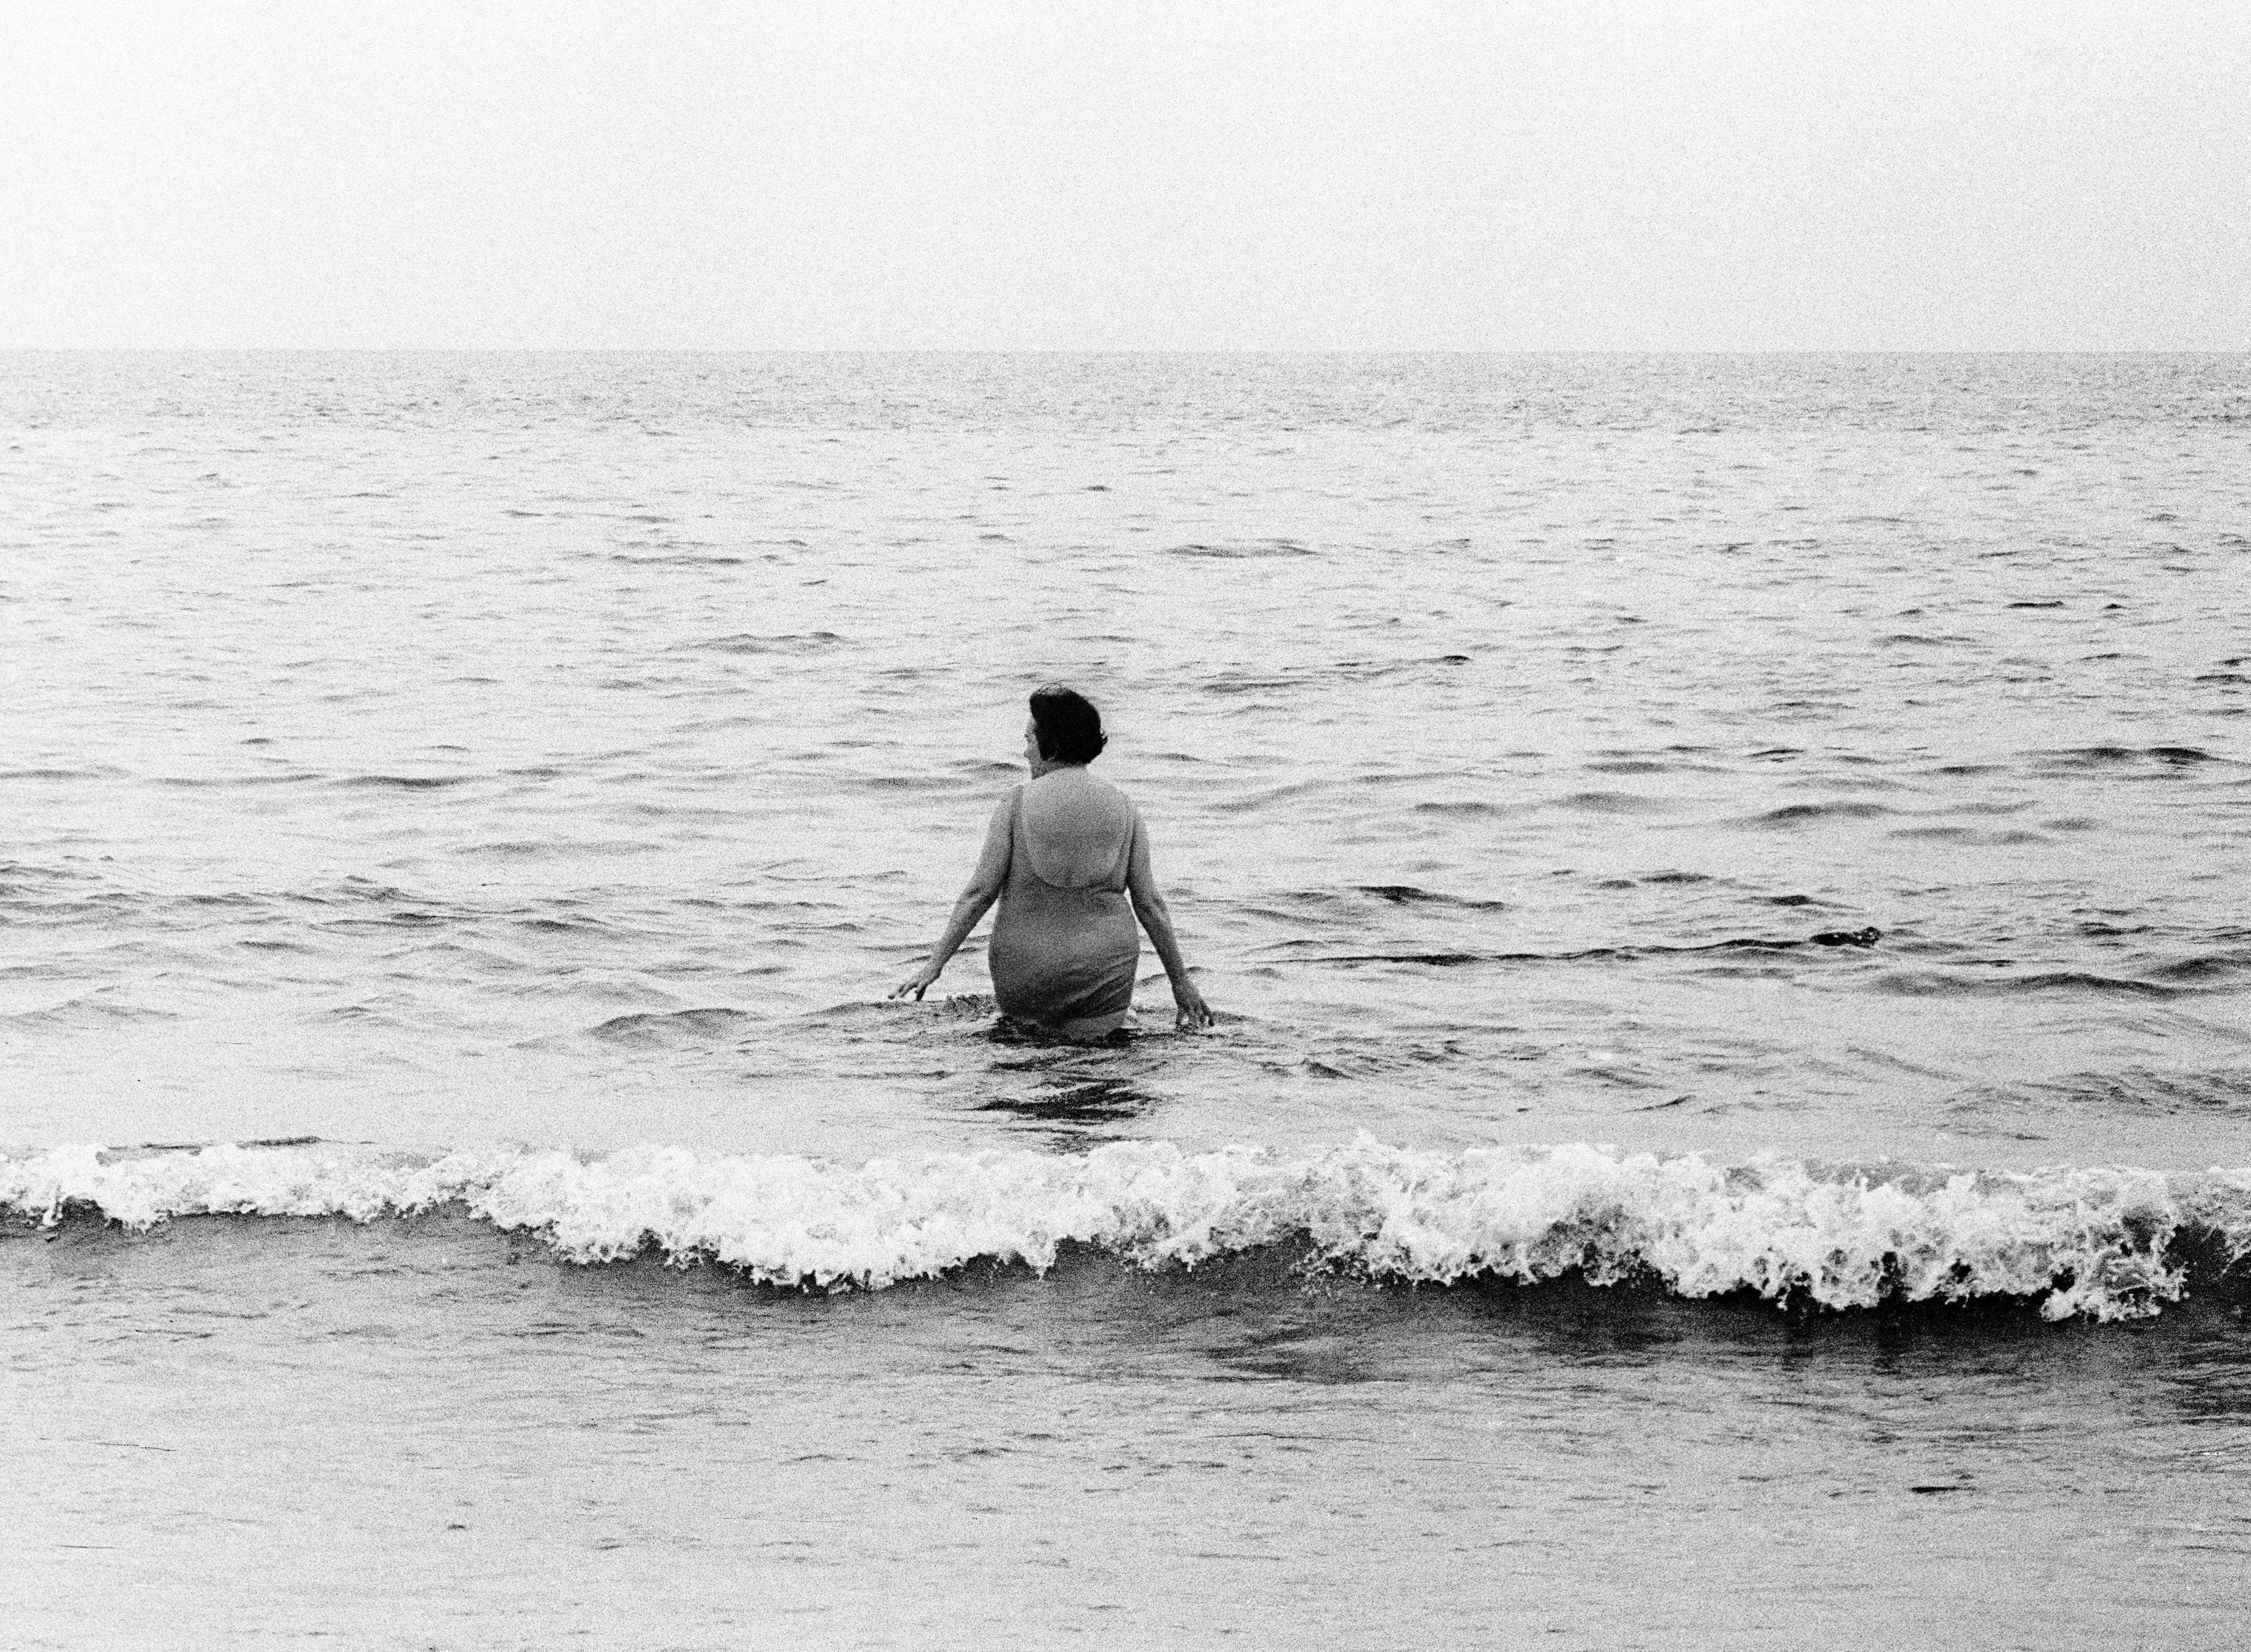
1100 350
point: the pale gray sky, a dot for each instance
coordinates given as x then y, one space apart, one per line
1979 174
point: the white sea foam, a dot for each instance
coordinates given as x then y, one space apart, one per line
2098 1242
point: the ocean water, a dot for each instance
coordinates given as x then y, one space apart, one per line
1723 881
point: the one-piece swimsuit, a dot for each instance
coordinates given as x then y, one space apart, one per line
1060 954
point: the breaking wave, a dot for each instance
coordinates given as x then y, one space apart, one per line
2108 1244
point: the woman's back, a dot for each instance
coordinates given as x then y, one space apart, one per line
1075 830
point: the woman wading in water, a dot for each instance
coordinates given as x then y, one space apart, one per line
1068 859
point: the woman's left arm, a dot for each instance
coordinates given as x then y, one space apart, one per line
983 889
1157 918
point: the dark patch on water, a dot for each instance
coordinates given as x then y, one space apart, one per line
1790 815
1409 895
1007 1030
2204 967
1092 1101
1609 803
199 1146
1438 960
407 783
549 926
677 559
1458 806
212 781
2108 756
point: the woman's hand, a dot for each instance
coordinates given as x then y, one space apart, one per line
918 983
1191 1013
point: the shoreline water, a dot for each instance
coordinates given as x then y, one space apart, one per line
424 1432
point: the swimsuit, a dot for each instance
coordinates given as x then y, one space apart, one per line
1061 953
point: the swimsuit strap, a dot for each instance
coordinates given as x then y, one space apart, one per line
1122 873
1020 846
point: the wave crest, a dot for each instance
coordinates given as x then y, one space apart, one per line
2106 1243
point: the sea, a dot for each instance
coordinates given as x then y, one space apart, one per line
1725 883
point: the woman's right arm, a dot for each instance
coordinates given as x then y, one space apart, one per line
1156 918
983 889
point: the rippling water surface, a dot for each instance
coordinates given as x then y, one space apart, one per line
1832 767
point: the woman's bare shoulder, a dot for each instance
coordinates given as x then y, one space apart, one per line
1114 793
1075 798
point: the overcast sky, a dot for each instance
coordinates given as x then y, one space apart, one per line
1108 174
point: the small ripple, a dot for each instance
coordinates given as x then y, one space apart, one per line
1459 806
677 559
1791 815
1608 803
1931 983
1408 895
1242 550
2131 1090
751 642
2099 757
1969 835
87 1012
2203 967
1451 959
693 1026
406 783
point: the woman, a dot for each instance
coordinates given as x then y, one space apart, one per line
1064 854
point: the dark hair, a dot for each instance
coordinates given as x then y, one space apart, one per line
1066 725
